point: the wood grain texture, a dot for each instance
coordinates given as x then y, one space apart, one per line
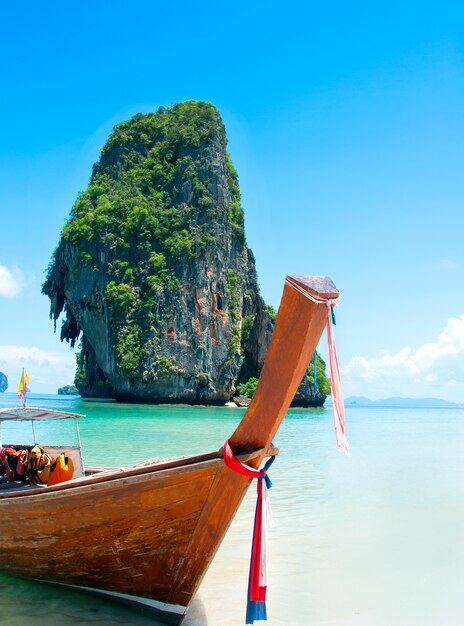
122 535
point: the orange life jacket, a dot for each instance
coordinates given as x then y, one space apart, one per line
38 466
62 469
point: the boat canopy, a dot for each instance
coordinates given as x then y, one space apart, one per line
29 413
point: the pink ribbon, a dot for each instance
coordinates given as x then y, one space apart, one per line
335 377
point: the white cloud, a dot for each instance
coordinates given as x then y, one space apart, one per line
11 281
435 369
48 370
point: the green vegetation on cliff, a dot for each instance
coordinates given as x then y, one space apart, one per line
137 198
322 380
144 218
248 387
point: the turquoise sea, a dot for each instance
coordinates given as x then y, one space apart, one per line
372 540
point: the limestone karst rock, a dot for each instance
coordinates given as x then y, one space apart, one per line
152 271
153 268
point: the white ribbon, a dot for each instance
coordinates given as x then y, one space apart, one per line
267 522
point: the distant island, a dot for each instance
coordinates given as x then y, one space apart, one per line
398 402
3 382
68 390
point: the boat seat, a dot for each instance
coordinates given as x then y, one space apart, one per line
70 451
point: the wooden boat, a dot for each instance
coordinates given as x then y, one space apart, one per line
145 535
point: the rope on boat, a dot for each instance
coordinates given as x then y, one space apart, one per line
257 579
335 377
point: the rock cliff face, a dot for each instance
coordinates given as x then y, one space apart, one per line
305 397
152 268
255 349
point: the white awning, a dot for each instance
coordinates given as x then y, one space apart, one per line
29 413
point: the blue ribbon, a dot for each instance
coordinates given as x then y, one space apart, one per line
334 321
263 472
255 611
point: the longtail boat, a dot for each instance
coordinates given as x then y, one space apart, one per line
145 535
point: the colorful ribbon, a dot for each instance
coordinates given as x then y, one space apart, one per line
336 389
257 579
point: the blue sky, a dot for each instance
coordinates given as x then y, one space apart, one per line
345 124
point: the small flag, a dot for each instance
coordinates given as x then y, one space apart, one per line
24 387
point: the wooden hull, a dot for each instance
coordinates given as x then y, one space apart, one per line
146 535
127 537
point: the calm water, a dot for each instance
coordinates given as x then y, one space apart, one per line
371 540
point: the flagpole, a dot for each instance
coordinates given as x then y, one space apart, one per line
23 387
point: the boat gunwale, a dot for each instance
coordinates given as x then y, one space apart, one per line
166 469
